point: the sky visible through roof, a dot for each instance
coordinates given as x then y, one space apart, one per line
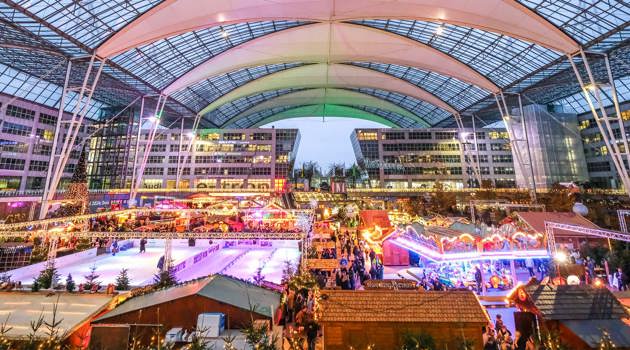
326 141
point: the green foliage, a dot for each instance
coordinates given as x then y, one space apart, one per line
420 341
35 286
288 271
165 279
443 201
91 279
122 281
303 280
258 337
48 277
620 256
559 198
70 285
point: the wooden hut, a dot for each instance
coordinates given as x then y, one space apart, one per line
576 315
381 318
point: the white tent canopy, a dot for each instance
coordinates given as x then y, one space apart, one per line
322 96
173 17
332 76
332 43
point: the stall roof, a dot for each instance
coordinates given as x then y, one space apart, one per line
73 310
221 288
575 302
536 220
590 331
401 306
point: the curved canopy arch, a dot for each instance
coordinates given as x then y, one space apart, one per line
328 96
330 76
173 17
290 112
333 43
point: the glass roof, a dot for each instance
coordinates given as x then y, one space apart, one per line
396 118
91 21
200 95
500 58
455 92
74 28
576 103
16 83
229 110
163 61
584 20
254 118
426 111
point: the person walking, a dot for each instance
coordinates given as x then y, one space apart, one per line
529 263
311 328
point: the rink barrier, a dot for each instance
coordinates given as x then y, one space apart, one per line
196 259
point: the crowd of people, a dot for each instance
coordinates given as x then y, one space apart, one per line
499 337
357 262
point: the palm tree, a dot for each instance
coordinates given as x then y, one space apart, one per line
310 169
354 174
336 170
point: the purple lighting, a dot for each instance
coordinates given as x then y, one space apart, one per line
439 257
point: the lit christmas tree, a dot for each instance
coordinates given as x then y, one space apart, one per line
78 188
605 343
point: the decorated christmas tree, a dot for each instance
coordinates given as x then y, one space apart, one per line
70 285
91 279
122 281
48 277
605 343
78 188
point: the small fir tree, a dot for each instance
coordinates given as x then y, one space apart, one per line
48 277
258 277
164 279
35 286
70 285
91 279
122 281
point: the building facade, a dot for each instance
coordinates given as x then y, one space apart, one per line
26 139
417 158
220 158
601 169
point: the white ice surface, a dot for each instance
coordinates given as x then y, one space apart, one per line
142 267
273 269
214 263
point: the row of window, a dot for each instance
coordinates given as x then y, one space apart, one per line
28 114
441 171
428 135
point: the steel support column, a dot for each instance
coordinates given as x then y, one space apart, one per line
617 146
159 108
189 158
469 161
514 141
621 214
59 158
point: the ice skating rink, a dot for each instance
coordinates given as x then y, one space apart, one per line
241 261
